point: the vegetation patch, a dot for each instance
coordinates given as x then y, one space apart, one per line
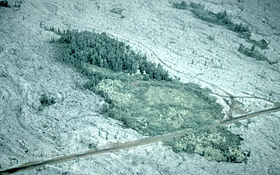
252 52
106 52
222 19
182 5
262 44
142 95
4 3
154 108
117 10
45 101
217 144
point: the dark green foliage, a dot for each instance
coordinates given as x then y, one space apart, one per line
211 38
252 52
160 104
117 11
103 51
182 5
46 101
262 44
196 5
221 18
4 3
241 29
130 85
159 107
51 29
215 144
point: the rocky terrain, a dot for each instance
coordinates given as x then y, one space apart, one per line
189 48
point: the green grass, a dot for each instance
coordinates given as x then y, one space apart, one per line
158 107
153 108
146 99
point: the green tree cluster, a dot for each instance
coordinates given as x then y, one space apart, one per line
220 18
104 51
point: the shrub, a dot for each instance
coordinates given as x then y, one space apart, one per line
252 52
46 101
196 5
117 11
218 144
262 44
182 5
4 3
211 38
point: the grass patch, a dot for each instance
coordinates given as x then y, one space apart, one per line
252 52
144 97
154 108
159 107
